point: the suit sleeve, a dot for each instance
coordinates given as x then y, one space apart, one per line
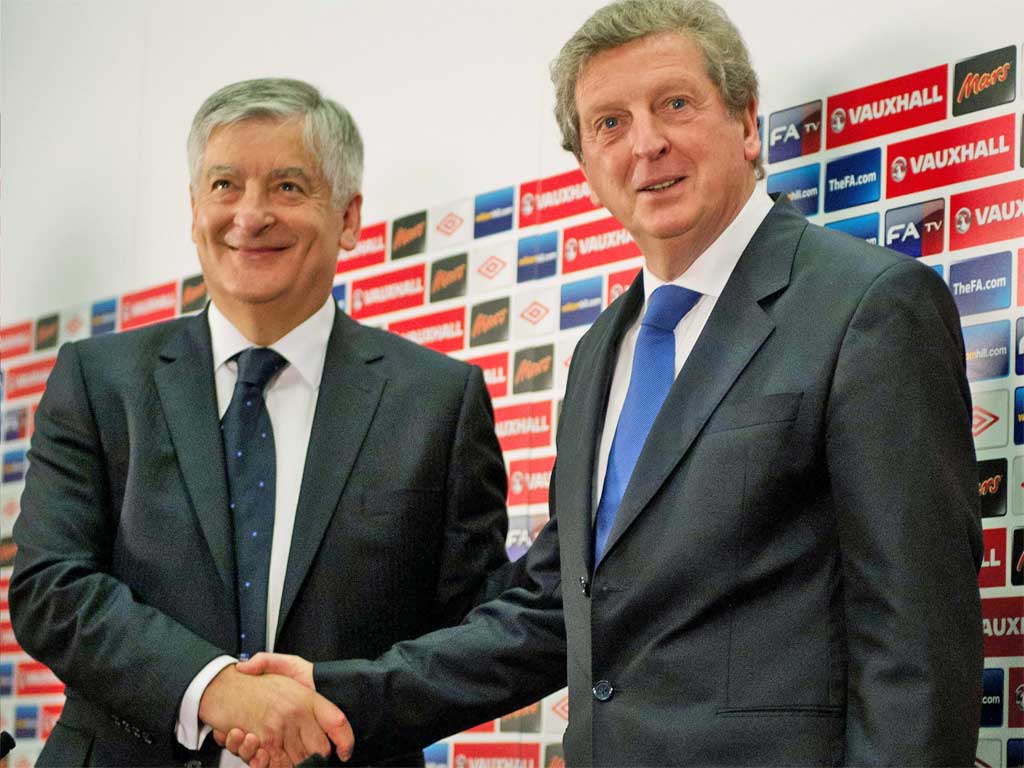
507 653
476 522
904 479
68 611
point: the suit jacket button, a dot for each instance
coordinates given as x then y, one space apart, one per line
603 690
194 764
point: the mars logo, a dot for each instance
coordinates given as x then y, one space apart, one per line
408 235
534 369
987 215
947 157
1017 558
193 294
898 169
1001 625
388 292
992 487
489 322
886 107
440 331
794 132
448 278
984 81
554 197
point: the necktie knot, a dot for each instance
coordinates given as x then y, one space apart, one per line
668 305
256 365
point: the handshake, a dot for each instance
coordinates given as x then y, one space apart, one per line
266 711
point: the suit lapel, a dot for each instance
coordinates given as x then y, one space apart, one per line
188 397
589 398
350 391
737 328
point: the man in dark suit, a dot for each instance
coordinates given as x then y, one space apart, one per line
765 537
267 474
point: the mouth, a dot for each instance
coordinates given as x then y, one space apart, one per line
256 251
662 185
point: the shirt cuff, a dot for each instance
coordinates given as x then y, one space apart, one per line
188 729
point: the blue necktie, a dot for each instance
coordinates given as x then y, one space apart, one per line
649 383
251 471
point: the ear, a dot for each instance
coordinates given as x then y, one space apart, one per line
352 223
593 195
192 204
751 137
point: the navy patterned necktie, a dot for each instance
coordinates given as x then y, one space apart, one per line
251 471
651 378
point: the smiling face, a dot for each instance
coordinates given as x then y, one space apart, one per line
660 149
266 233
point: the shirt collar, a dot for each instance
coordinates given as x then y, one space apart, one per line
711 270
304 347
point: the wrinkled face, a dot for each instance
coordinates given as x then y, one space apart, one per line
660 149
263 224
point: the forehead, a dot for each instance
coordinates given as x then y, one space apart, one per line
650 61
259 141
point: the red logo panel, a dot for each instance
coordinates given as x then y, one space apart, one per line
30 379
947 157
34 679
599 242
388 292
555 197
526 425
495 368
1001 624
149 306
619 282
497 755
987 215
886 107
16 340
529 479
441 331
371 249
993 566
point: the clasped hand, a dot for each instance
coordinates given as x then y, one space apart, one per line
266 711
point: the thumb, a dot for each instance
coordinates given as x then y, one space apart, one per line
337 727
257 665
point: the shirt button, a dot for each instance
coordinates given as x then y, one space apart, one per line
194 764
603 690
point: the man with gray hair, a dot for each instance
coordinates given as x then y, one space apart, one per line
232 482
765 536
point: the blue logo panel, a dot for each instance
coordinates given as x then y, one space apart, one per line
1018 416
581 302
794 132
981 284
104 317
988 350
436 755
1019 354
26 721
853 180
14 466
800 185
340 298
493 211
992 699
865 227
6 679
537 257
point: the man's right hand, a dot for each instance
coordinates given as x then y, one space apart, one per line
290 721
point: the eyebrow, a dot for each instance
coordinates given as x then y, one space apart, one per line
277 173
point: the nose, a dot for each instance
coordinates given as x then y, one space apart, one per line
254 213
649 140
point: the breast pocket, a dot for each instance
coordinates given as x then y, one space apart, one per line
767 409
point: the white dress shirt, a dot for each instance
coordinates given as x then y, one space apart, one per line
708 276
291 401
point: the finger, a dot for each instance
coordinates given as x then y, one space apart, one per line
337 727
278 758
250 746
220 737
257 665
233 740
261 759
314 740
293 743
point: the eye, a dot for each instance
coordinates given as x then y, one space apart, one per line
676 103
219 184
610 123
289 186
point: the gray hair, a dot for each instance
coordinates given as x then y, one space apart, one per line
726 58
330 133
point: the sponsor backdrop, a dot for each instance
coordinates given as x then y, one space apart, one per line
920 150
